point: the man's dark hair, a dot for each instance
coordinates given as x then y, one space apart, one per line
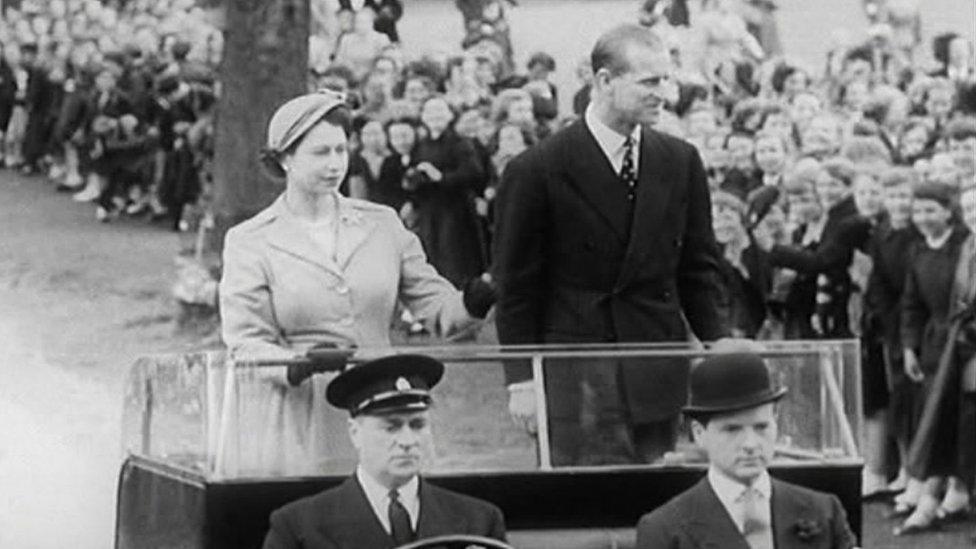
610 50
542 58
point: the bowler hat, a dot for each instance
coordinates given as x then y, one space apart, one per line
730 382
389 384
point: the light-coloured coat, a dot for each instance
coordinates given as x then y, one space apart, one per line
280 294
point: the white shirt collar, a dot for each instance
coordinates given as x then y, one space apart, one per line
729 492
611 142
938 243
379 498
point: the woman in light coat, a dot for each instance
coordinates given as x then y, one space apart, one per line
316 268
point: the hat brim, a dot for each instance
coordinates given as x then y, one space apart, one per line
393 366
764 397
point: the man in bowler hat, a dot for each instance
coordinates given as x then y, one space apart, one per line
385 504
732 407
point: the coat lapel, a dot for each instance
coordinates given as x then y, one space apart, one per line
358 525
653 200
435 518
589 172
354 229
790 509
708 522
287 235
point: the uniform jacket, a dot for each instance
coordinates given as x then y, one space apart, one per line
279 292
569 270
341 518
696 519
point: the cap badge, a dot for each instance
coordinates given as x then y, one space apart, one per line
402 384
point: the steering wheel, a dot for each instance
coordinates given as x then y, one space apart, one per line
457 542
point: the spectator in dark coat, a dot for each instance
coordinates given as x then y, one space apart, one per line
888 248
366 164
744 267
446 178
401 136
925 311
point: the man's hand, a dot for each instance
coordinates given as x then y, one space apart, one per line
522 405
912 368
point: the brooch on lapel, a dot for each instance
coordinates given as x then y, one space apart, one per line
807 529
351 217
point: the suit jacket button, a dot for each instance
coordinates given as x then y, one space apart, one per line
665 295
677 242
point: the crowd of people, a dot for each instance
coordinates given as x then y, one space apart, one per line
844 198
112 101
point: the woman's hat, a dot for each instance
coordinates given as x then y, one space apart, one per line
394 383
730 382
293 119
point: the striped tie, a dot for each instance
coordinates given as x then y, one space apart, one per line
755 526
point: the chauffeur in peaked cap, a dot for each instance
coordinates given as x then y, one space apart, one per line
732 405
385 503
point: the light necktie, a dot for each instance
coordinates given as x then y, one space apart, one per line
628 174
755 524
400 528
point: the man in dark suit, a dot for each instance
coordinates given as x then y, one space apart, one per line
604 235
385 504
732 405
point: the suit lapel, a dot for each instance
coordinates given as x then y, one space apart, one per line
358 525
789 508
589 171
436 519
653 200
709 523
287 235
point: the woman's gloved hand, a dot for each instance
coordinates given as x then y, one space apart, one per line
322 357
479 295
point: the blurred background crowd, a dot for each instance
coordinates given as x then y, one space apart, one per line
844 195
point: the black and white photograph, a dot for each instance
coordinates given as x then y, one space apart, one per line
487 274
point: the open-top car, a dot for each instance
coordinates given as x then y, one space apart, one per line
212 446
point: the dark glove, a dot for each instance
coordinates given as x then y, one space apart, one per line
322 357
479 295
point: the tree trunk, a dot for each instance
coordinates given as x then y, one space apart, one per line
265 63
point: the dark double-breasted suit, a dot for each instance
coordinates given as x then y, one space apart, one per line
696 519
577 261
341 518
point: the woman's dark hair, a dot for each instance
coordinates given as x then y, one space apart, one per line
942 193
687 95
780 74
